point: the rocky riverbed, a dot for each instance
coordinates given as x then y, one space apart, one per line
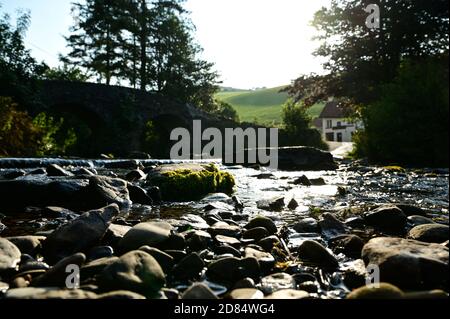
276 235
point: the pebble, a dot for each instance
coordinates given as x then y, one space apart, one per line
246 293
9 255
390 219
285 294
312 252
262 221
199 291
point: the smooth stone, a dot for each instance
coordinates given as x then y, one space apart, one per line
48 293
224 229
95 267
269 243
387 218
198 240
145 234
79 235
139 195
355 275
255 233
417 220
164 260
262 221
410 210
3 286
331 226
278 281
265 260
349 245
430 233
306 225
135 271
224 240
285 294
199 291
114 234
312 252
135 175
9 255
232 269
189 267
121 294
384 291
245 283
293 204
56 170
246 293
99 252
272 205
302 180
30 245
56 275
317 181
408 264
227 249
33 265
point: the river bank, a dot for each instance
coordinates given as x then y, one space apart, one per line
283 234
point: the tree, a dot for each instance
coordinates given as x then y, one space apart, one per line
296 127
409 122
66 73
18 69
96 40
359 60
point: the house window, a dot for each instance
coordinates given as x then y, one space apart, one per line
329 123
339 124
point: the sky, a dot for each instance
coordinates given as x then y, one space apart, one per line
253 43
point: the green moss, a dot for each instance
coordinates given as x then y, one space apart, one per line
186 185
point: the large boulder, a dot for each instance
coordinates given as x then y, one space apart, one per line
186 182
152 234
304 158
408 264
79 235
71 193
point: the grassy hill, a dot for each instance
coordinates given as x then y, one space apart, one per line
263 105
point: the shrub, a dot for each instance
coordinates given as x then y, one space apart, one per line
296 127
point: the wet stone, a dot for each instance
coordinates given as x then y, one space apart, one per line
228 241
275 282
30 245
246 293
387 218
288 294
165 260
99 252
430 233
189 267
56 276
331 226
269 242
312 252
145 234
417 220
262 221
199 291
306 225
272 205
9 255
349 245
255 233
224 229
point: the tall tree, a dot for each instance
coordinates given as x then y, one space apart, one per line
96 39
359 59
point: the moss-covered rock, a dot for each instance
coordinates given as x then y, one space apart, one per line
186 182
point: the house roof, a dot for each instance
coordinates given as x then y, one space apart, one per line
332 110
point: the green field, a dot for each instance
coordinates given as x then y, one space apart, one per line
263 106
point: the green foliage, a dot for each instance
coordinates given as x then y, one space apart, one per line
21 135
296 129
66 73
187 185
409 122
18 69
359 60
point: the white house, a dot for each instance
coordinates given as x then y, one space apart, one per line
334 125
